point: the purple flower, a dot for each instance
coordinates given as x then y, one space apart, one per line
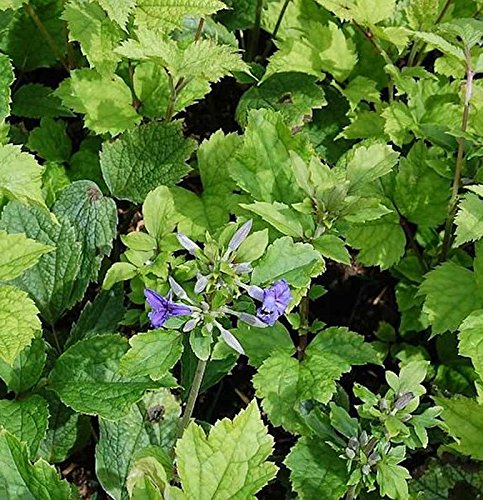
164 308
275 301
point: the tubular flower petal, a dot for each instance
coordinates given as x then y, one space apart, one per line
274 302
164 308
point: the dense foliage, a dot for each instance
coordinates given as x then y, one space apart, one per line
177 181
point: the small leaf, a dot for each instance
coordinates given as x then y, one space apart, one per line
50 141
469 219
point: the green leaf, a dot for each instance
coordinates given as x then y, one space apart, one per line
421 195
381 242
262 165
37 101
51 282
152 353
332 247
87 378
50 141
316 470
21 479
19 322
54 179
399 122
471 340
119 271
18 253
297 267
118 10
6 79
159 213
464 418
97 35
20 174
105 101
10 4
469 219
94 218
294 95
26 369
253 247
391 478
166 15
365 12
441 44
451 293
231 462
142 159
122 441
26 419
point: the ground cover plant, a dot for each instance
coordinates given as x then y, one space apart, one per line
241 249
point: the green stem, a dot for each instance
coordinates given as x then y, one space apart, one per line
252 49
351 493
48 37
275 29
448 230
192 396
304 326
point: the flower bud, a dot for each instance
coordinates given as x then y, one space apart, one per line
240 236
201 283
252 320
243 268
190 324
177 289
403 401
383 404
353 443
187 244
363 438
350 453
366 469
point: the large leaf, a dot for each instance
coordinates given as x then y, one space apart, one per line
122 441
365 12
21 479
471 340
37 101
18 253
87 378
26 419
316 470
18 322
94 218
229 462
50 141
52 281
20 174
145 158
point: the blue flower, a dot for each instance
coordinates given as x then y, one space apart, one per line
164 308
275 301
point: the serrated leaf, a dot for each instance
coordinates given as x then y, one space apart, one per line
451 293
316 470
87 378
94 218
166 15
51 282
20 174
294 95
469 219
464 418
152 353
18 253
381 242
19 322
441 44
365 12
21 479
50 141
120 442
26 368
399 122
229 462
37 101
97 35
26 419
6 79
297 267
118 10
332 247
471 340
140 160
105 101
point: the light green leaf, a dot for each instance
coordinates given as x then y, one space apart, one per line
332 247
94 218
54 179
87 378
26 419
19 322
316 470
231 462
21 479
118 10
26 369
399 122
20 174
391 478
105 101
365 12
464 418
6 79
381 242
451 293
51 282
97 35
469 219
18 253
294 95
152 353
119 271
10 4
142 159
159 213
120 442
166 15
37 101
50 141
471 340
253 247
299 263
421 195
441 44
262 165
